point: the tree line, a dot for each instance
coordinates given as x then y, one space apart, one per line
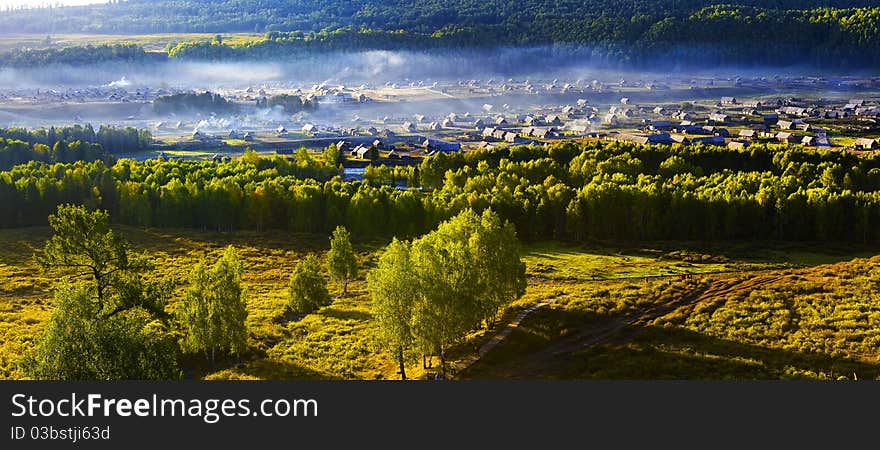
837 33
76 55
68 144
594 190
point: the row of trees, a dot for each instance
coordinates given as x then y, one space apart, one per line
191 102
13 153
598 190
429 293
837 33
75 55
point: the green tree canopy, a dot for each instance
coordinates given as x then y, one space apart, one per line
108 322
341 262
395 289
308 288
214 311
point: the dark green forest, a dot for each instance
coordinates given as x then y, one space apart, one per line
838 33
68 144
578 192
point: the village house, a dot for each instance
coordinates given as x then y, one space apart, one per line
708 140
718 117
553 120
440 145
664 125
610 119
785 125
737 145
728 101
788 138
680 139
748 134
866 144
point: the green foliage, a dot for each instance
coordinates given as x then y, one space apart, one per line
81 344
394 288
838 33
341 262
76 56
108 322
291 104
456 276
84 247
214 310
68 144
188 102
606 190
308 287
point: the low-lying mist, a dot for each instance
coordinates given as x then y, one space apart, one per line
120 93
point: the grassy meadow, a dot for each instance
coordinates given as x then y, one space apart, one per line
820 322
592 286
150 42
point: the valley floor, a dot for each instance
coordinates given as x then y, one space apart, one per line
608 310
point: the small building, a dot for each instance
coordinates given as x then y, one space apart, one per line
708 140
788 138
785 125
680 139
729 101
440 145
748 134
718 117
737 145
661 125
866 144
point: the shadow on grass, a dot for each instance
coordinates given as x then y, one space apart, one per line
258 367
346 314
651 352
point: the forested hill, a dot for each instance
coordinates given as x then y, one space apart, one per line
424 16
738 31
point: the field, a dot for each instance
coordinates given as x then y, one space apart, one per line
150 42
817 322
591 287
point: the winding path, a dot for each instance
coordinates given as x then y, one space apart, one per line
592 335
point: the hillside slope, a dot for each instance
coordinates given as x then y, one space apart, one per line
838 32
822 322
